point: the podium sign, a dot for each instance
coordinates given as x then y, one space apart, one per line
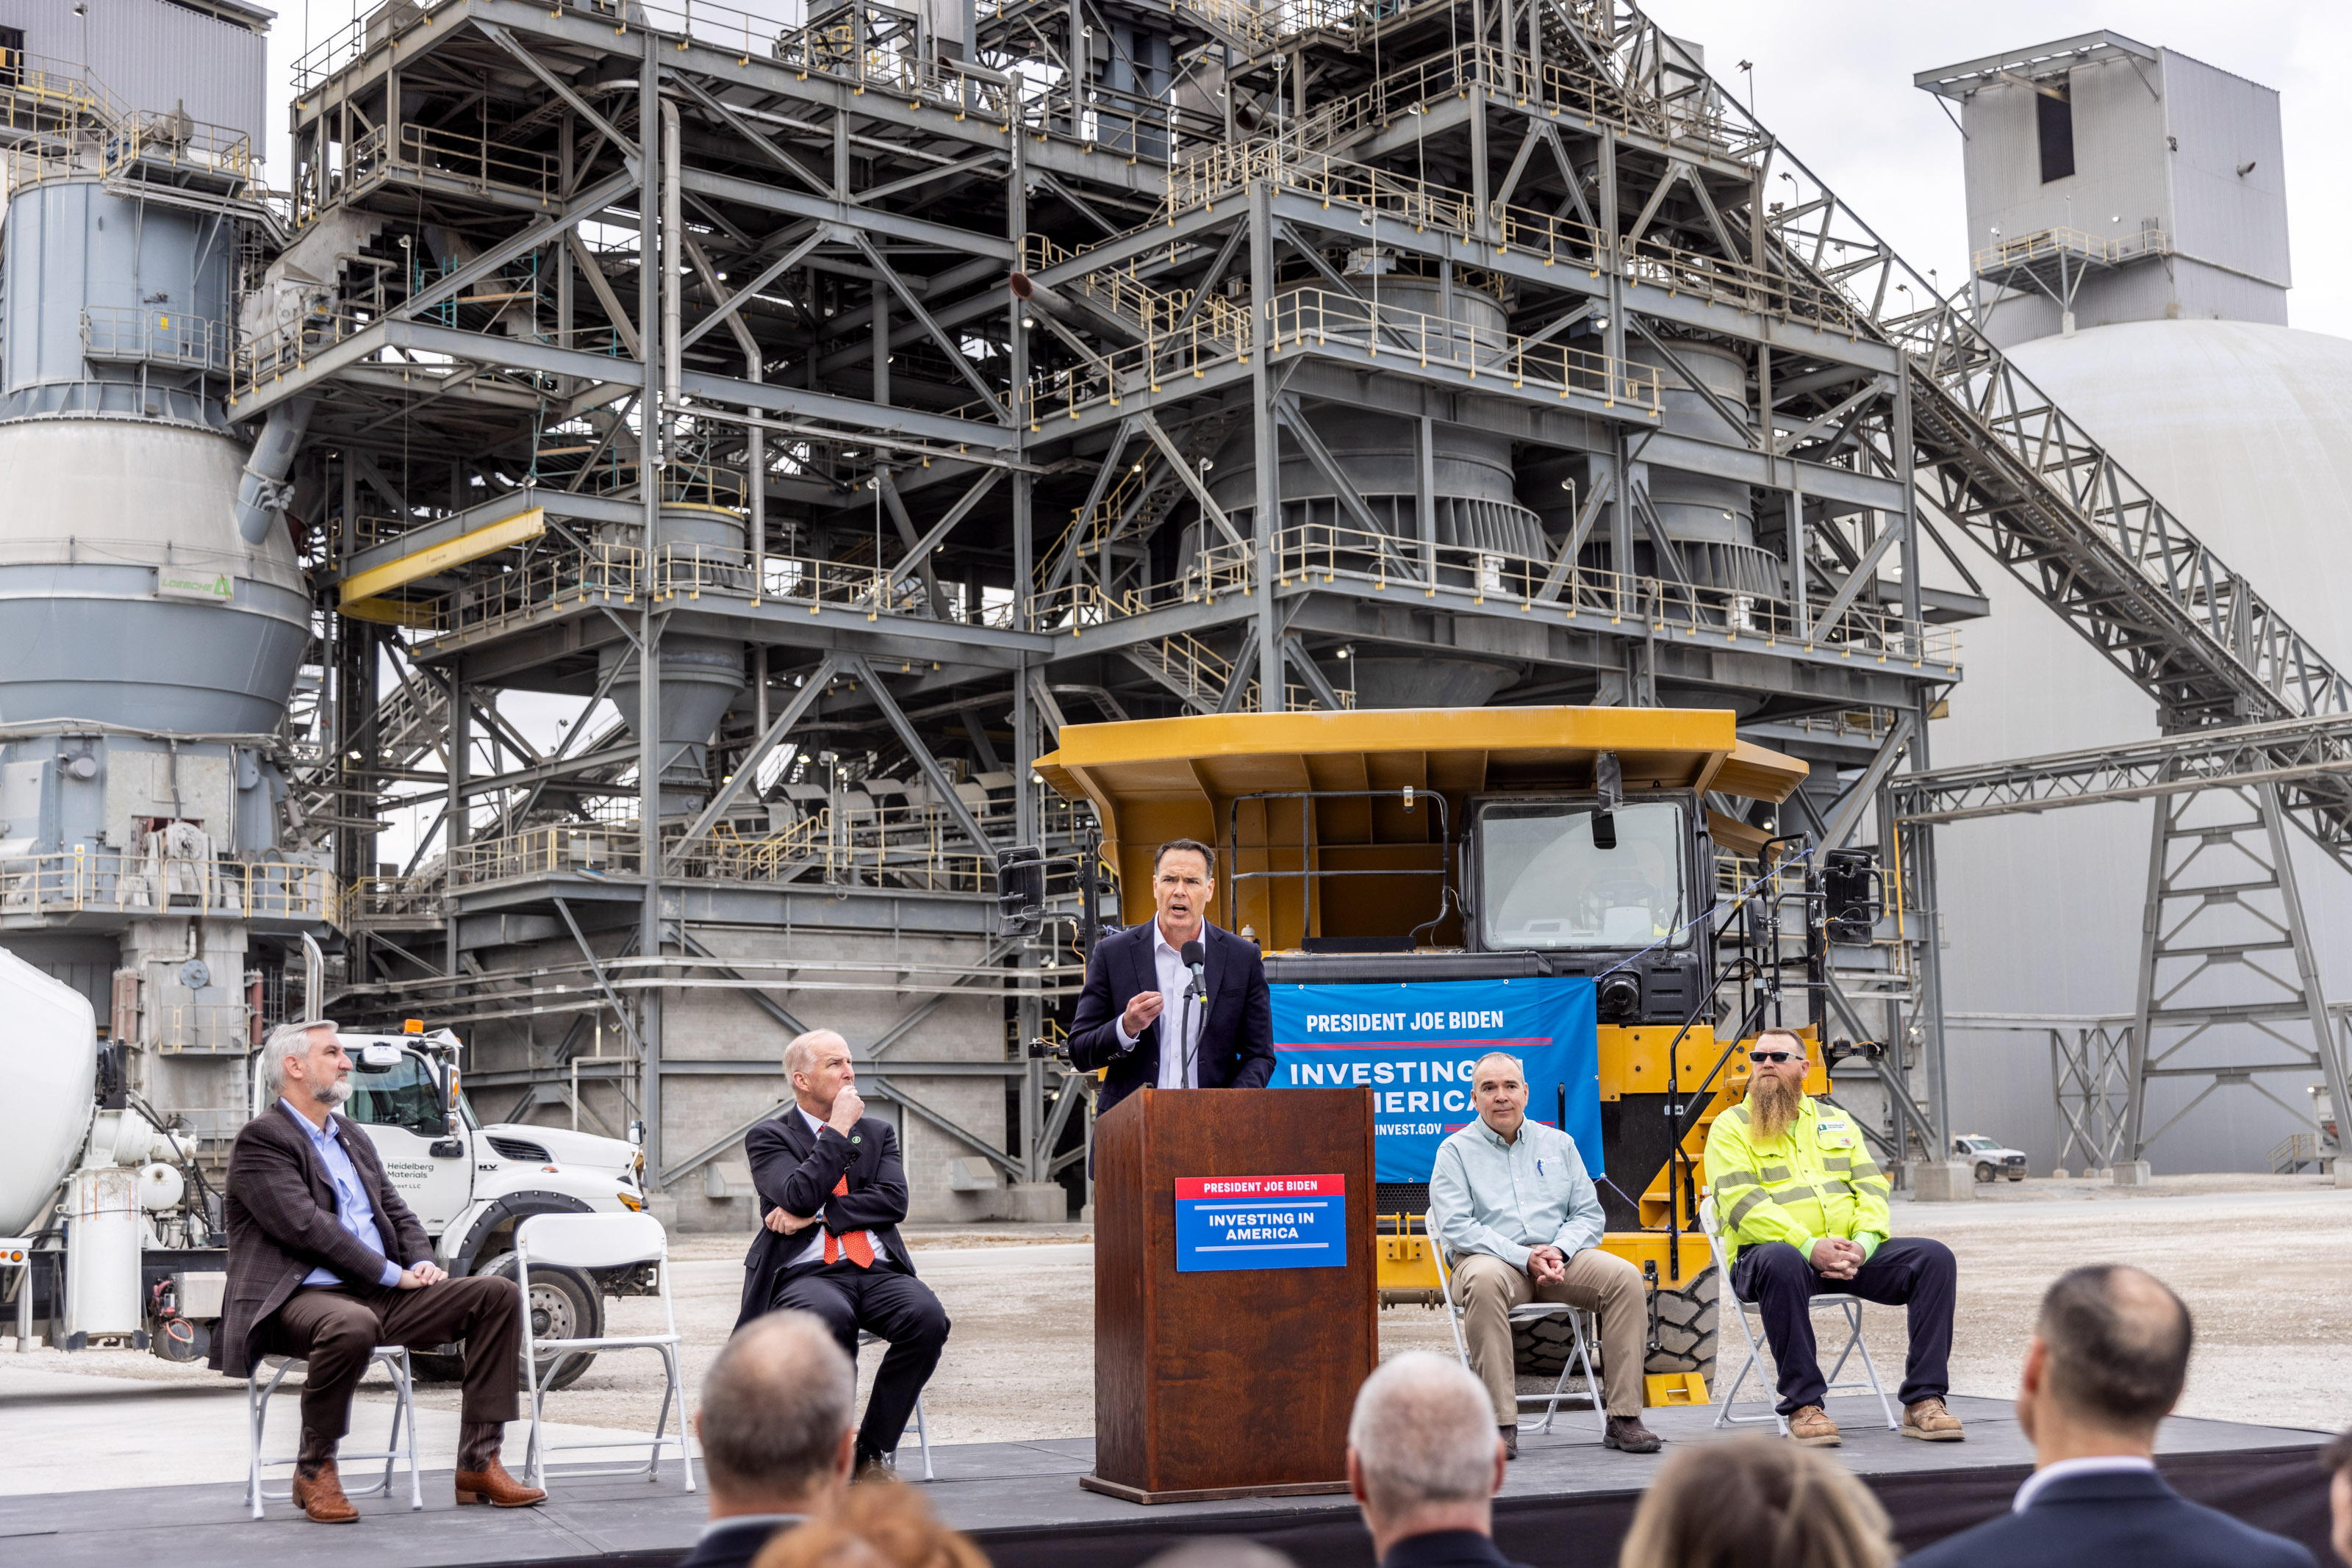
1237 1309
1261 1222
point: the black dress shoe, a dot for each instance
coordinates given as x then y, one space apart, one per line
1627 1434
1510 1436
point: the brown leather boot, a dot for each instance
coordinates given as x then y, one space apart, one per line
1930 1421
1811 1428
1627 1434
321 1497
492 1485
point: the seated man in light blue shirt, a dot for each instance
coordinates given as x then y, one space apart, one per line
1520 1222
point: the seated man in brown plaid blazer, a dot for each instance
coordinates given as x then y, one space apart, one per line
326 1262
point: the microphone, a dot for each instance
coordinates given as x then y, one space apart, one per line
1193 957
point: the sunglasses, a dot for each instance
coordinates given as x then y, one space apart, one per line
1774 1056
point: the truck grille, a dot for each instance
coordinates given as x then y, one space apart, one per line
518 1149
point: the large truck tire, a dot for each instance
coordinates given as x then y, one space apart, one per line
1685 1317
1685 1322
564 1304
1540 1348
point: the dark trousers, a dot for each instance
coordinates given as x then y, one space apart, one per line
335 1328
1912 1272
892 1305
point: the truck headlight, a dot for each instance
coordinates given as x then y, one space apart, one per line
631 1202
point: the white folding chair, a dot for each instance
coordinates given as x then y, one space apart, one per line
922 1428
598 1241
1710 1222
401 1445
1579 1327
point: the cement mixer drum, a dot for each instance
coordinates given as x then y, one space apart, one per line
49 1063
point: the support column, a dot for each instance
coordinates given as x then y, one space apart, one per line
453 820
652 442
1268 445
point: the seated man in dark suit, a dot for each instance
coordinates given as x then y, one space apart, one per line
775 1425
2108 1356
1424 1463
1141 995
326 1262
833 1192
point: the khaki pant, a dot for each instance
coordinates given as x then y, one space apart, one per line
1489 1288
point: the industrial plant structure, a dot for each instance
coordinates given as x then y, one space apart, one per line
851 404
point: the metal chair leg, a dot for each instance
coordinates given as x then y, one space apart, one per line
923 1436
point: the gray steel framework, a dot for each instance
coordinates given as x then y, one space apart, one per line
605 266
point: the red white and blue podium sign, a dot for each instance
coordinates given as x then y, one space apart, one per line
1261 1222
1414 1045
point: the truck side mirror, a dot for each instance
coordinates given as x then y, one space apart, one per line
637 1133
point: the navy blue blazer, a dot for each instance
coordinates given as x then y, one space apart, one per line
1236 1049
2120 1517
1446 1548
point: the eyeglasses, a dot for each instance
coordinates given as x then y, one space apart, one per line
1774 1056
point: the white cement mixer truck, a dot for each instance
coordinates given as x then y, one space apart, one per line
110 1227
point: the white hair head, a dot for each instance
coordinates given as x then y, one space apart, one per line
288 1040
1424 1431
800 1055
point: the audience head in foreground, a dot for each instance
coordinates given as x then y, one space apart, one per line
879 1524
1425 1462
1756 1504
2336 1460
2108 1361
1221 1552
777 1427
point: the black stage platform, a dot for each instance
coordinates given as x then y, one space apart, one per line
1568 1501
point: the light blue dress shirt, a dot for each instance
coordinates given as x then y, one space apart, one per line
353 1212
1503 1198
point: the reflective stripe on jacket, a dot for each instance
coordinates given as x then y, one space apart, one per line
1814 1180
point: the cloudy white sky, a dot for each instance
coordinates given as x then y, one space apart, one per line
1832 79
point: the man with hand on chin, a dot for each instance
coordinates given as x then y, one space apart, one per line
1155 1021
1804 1213
832 1192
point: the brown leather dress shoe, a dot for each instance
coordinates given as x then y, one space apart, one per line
494 1487
1627 1434
321 1497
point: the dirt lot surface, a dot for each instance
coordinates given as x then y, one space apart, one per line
2263 1261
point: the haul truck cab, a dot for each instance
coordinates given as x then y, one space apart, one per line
472 1183
1402 845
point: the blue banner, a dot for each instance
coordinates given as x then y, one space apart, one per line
1414 1046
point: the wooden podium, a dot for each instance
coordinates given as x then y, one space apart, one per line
1235 1380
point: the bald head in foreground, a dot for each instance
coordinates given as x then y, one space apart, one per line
776 1430
831 1193
2107 1364
1424 1463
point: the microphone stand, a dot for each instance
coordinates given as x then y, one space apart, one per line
1184 1032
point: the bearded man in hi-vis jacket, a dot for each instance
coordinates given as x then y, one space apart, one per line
1804 1213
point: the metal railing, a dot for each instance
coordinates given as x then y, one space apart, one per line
152 335
2046 244
1221 569
102 882
1323 319
1329 553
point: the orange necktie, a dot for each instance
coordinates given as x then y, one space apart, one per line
860 1250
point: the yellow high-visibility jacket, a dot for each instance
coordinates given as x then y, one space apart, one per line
1815 1180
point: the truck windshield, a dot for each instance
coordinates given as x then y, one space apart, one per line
400 1095
1543 885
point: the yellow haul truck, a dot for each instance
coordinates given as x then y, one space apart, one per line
1371 849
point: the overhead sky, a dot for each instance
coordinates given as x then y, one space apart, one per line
1832 80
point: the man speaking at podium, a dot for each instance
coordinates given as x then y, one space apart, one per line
1175 1003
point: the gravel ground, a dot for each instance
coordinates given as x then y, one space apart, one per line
2261 1260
